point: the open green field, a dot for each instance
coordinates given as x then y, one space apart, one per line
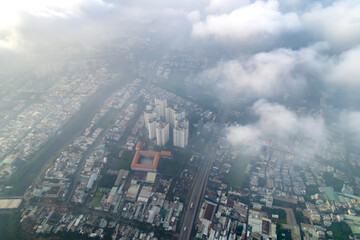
237 176
96 199
107 180
337 184
173 167
123 163
341 231
277 211
283 234
100 192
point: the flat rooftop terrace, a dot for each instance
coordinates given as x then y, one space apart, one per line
10 203
147 160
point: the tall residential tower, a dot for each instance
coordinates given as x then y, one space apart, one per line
162 133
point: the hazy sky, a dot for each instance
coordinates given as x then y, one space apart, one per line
279 47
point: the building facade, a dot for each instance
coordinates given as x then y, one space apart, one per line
162 133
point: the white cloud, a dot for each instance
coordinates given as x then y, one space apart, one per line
292 3
344 69
247 137
175 12
338 23
300 5
223 6
277 122
267 74
285 71
350 122
257 20
10 39
349 125
13 15
11 10
193 16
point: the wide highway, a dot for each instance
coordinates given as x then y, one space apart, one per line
202 176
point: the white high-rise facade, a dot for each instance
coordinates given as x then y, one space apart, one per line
181 133
169 115
152 124
183 122
160 107
148 114
174 113
159 130
162 133
178 115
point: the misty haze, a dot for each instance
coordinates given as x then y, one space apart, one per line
208 119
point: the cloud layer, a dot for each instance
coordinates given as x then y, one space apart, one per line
349 123
286 71
267 74
260 49
338 23
281 125
257 20
21 20
344 69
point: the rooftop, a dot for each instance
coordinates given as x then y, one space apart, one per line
138 163
10 203
147 160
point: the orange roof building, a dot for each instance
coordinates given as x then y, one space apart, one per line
138 146
165 153
147 160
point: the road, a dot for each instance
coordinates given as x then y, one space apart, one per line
202 176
